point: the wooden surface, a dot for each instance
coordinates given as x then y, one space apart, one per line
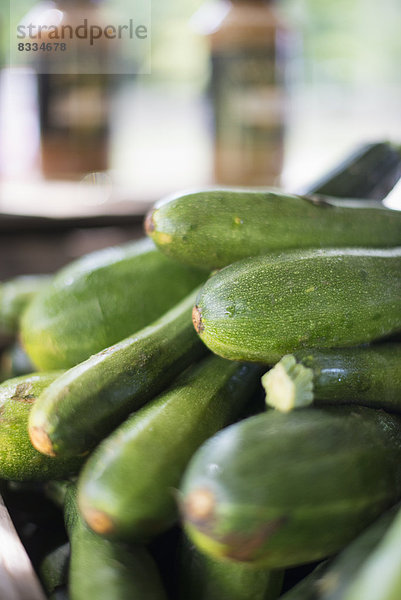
17 577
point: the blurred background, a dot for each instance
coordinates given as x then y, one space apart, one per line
248 92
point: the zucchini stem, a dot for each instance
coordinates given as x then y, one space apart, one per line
288 385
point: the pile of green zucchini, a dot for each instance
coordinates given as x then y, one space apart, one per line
214 412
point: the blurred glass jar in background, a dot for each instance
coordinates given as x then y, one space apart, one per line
73 93
249 45
74 124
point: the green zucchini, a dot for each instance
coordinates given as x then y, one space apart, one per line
19 461
163 436
104 569
100 299
264 307
215 228
15 295
370 172
281 490
87 402
368 376
205 578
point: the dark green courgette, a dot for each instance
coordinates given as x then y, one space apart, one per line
99 300
215 228
163 436
101 569
19 461
369 376
285 489
264 307
205 578
87 402
370 172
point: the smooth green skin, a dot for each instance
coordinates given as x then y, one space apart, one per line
371 172
215 228
19 461
380 578
369 376
101 569
205 578
264 307
87 402
294 488
152 448
15 295
99 300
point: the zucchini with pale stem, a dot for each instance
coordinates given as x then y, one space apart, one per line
368 376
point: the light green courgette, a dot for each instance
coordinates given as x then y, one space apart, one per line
101 299
214 228
154 445
87 402
264 307
19 461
